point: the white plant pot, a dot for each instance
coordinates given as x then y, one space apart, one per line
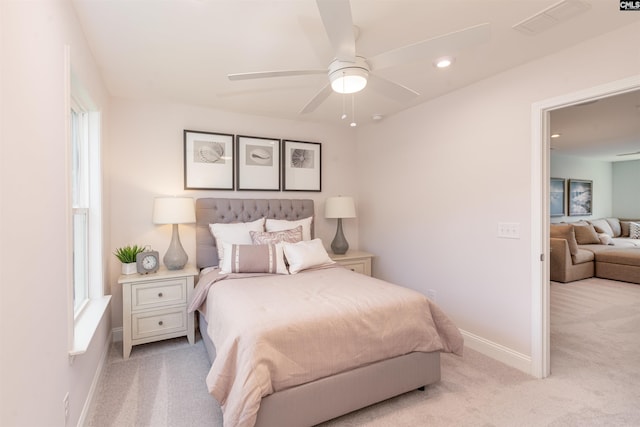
129 268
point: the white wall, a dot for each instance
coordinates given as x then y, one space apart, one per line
626 195
435 181
146 157
601 173
36 258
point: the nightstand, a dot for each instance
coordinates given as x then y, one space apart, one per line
154 306
357 261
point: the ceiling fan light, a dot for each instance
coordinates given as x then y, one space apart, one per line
349 81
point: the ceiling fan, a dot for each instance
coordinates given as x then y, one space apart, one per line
350 73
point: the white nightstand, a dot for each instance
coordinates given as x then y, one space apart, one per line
154 306
357 261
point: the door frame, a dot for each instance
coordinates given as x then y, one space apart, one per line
540 162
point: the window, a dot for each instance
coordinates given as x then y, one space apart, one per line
80 206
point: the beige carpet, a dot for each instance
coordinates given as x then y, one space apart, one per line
595 377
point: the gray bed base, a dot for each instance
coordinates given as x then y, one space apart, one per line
321 400
327 398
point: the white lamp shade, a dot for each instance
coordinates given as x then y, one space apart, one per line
173 210
339 207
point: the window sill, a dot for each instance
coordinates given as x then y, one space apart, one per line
87 324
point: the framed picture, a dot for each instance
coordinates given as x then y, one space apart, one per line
208 161
557 199
580 197
258 162
301 166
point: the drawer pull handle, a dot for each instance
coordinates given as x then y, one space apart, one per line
160 295
160 323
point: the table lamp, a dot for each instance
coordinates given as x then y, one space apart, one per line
339 207
174 210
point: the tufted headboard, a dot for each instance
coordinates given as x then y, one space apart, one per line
214 210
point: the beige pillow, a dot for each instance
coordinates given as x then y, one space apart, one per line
624 228
605 239
283 224
253 259
615 226
566 232
586 235
602 226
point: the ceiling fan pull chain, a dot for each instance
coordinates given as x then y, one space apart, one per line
353 110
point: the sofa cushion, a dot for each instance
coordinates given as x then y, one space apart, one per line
586 234
602 226
624 228
583 256
620 256
614 223
565 231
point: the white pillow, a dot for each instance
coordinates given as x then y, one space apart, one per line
253 259
634 230
235 232
283 224
306 254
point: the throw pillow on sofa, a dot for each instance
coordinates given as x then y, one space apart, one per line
615 226
602 226
634 230
605 239
586 235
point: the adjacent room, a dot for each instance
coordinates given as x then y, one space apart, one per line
189 173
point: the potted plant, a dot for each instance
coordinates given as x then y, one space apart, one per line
127 256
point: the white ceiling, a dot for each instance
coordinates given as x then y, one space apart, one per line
182 50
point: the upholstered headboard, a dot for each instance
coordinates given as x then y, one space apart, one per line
214 210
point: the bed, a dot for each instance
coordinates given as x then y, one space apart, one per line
328 392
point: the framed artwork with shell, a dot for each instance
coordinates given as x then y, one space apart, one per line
301 165
258 163
208 161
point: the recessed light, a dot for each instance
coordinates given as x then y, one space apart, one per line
555 135
443 62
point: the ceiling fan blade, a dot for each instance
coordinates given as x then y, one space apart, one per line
390 89
317 99
433 48
267 74
337 21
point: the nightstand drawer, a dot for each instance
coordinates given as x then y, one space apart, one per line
155 323
358 267
158 294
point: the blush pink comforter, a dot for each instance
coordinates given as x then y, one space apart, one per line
273 332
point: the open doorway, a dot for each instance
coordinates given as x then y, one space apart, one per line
541 111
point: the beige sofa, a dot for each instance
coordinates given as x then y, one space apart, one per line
600 247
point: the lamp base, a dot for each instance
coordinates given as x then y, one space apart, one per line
175 258
339 246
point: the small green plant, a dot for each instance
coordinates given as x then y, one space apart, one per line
128 253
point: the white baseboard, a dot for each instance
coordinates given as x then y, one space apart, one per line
117 334
497 351
82 421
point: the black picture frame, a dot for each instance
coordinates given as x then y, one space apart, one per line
557 199
208 160
257 163
301 165
580 197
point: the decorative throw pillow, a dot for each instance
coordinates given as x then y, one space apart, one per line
614 223
565 231
306 254
634 230
272 237
283 224
602 226
586 235
605 239
253 259
235 232
624 228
